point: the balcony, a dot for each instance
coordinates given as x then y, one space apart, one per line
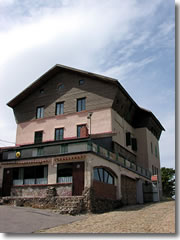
71 147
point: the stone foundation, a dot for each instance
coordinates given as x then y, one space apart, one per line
88 202
95 204
40 190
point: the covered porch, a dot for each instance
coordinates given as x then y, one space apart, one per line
33 179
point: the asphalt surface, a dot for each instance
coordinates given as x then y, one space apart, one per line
29 220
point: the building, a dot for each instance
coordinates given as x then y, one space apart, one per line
76 131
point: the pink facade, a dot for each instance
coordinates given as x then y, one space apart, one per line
100 123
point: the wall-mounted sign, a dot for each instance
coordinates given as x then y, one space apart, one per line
154 178
18 154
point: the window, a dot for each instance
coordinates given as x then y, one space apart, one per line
128 138
151 148
39 112
64 173
81 104
81 82
64 148
40 151
156 152
59 134
60 86
79 130
134 144
153 170
110 179
18 173
96 175
59 108
38 137
41 91
30 175
102 175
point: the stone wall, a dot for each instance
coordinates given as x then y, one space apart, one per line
88 202
41 190
95 204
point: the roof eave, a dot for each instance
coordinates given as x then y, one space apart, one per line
154 117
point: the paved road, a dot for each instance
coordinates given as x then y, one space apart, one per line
29 220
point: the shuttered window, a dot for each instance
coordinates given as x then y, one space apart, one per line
151 148
128 138
134 144
156 151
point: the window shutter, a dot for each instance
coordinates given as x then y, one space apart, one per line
128 138
134 144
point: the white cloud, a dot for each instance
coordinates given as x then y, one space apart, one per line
6 2
123 71
166 27
81 22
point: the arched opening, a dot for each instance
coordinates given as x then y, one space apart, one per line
103 175
104 182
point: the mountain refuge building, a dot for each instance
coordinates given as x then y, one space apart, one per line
80 134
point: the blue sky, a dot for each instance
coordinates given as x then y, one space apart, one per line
130 40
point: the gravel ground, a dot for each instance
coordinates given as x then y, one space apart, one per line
148 218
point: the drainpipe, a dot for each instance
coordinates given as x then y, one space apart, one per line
89 117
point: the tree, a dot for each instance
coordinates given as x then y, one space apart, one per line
168 181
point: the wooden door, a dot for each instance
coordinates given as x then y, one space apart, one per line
78 178
128 190
7 181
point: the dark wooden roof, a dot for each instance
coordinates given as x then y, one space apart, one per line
49 74
56 69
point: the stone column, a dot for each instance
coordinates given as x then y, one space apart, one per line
52 173
119 195
88 173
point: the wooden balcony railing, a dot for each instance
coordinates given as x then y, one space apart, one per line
64 148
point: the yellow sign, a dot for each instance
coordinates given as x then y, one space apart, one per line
18 154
